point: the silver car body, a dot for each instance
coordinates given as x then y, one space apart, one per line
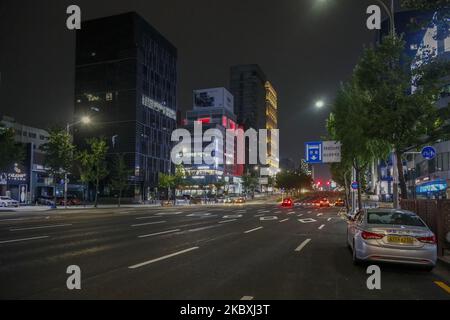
383 249
8 202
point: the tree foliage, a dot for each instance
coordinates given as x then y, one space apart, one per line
59 155
120 176
10 151
93 166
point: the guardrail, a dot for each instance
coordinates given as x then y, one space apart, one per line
436 214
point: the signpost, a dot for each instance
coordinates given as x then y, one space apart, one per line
428 153
355 185
323 152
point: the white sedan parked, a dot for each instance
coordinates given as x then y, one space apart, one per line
8 202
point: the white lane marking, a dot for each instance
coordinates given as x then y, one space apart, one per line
284 220
307 220
300 215
199 214
320 214
270 218
329 219
278 212
169 213
309 211
302 245
40 227
158 233
258 215
321 227
226 221
24 239
162 258
241 211
232 216
147 224
252 230
247 298
150 217
263 211
291 212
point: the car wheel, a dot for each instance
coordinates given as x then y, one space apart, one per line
356 261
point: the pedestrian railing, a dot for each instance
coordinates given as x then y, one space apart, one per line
436 214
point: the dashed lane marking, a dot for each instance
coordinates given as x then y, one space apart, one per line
162 258
147 224
247 298
302 245
40 227
252 230
158 233
24 239
321 227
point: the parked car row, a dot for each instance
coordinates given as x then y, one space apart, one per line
49 201
8 202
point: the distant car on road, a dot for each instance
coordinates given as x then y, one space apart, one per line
324 202
339 203
240 200
287 202
390 235
8 202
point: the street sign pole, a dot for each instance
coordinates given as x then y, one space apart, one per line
353 191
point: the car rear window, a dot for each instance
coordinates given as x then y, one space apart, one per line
395 218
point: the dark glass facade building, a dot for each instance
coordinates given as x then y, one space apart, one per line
126 79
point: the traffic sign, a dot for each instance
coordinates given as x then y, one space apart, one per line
355 185
428 153
314 152
323 152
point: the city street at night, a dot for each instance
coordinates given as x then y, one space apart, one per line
252 251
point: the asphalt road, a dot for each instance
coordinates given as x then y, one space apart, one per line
260 252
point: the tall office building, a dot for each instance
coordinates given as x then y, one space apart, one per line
256 106
126 77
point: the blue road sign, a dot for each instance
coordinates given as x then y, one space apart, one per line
314 152
428 153
355 185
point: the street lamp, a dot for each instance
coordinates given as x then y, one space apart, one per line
84 120
320 104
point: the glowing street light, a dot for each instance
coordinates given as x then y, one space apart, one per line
86 120
320 104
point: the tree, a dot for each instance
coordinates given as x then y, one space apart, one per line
59 155
166 181
341 173
349 123
402 116
10 151
293 180
93 167
179 178
249 182
120 175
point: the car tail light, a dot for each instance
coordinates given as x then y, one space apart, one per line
431 239
371 236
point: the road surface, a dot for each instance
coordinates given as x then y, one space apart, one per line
250 251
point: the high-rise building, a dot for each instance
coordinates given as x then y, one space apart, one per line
256 106
213 109
127 72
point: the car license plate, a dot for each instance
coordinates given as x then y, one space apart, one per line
400 240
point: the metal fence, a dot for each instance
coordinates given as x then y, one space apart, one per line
436 214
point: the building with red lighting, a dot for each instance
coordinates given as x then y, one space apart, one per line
213 108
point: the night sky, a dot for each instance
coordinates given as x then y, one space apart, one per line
306 48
